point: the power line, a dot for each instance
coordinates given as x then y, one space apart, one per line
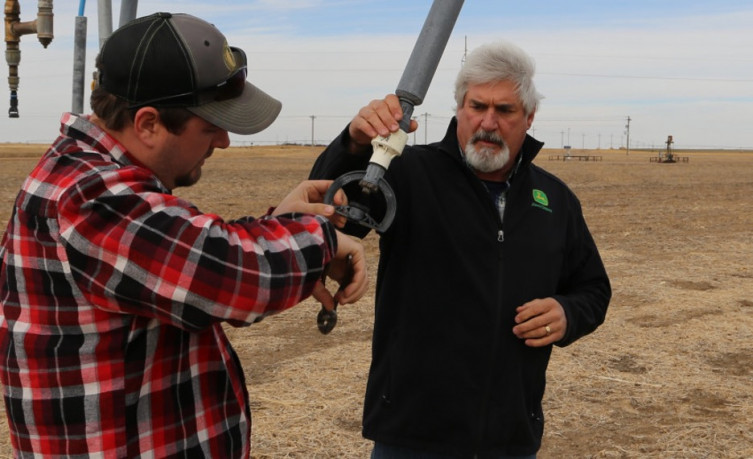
639 77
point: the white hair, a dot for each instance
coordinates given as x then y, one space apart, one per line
499 61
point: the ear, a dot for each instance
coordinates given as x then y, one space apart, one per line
530 119
148 127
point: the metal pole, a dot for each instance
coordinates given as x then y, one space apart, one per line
411 90
128 11
12 53
104 19
42 26
417 75
79 64
424 59
312 130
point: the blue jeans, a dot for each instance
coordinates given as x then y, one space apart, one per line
383 451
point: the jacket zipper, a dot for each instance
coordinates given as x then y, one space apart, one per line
499 209
501 205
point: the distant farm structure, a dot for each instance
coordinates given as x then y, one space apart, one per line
568 156
668 155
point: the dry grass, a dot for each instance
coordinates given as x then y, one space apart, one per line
668 375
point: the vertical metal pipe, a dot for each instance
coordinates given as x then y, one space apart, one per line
12 53
425 56
416 78
79 65
104 19
128 11
429 48
14 29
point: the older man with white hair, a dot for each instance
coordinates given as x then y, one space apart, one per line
487 264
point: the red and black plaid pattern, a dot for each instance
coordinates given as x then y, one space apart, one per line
113 294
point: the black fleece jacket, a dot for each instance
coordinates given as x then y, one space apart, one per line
447 372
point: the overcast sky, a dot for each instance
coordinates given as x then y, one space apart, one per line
675 67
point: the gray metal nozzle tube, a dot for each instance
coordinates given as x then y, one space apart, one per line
420 69
428 50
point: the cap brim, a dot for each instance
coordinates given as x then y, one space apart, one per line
250 113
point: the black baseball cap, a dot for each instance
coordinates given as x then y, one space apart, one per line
178 60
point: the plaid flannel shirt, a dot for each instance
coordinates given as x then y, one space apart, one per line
113 294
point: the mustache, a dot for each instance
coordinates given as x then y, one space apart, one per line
486 136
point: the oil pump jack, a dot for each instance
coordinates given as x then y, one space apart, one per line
14 29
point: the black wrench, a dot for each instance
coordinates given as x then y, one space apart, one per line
326 319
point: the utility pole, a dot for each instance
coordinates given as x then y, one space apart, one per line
414 132
465 53
627 126
426 128
312 130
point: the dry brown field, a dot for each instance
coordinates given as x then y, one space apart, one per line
669 374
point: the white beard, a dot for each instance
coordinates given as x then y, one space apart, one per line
486 159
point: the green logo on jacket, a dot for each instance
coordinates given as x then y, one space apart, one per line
540 200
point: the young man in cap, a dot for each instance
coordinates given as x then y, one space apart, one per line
114 291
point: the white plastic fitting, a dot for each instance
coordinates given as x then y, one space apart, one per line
387 148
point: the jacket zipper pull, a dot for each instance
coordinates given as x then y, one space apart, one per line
500 236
